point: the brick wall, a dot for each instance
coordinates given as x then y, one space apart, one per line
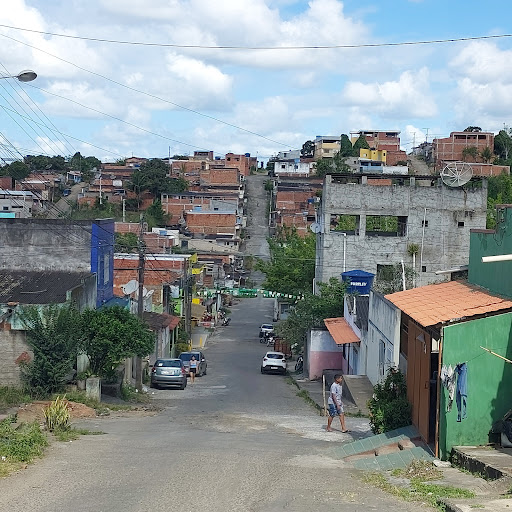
12 346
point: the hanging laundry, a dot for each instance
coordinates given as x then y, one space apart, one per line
462 390
448 378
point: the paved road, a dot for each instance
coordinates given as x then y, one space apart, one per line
61 208
235 440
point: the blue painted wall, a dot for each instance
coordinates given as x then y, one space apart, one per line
102 258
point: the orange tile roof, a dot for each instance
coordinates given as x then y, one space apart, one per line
341 331
437 303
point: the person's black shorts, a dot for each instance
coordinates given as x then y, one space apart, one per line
193 370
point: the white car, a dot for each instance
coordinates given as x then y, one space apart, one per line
274 362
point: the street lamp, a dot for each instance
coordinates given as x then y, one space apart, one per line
26 75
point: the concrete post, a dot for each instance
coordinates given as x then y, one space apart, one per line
93 388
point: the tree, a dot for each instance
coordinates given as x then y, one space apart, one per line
111 335
486 154
311 311
346 148
156 216
138 183
291 267
470 152
360 143
308 149
18 170
126 242
473 129
54 335
503 145
324 166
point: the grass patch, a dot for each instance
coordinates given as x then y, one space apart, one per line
10 397
23 444
422 470
357 414
303 393
71 434
418 490
291 382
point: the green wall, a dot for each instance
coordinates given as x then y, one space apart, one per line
495 277
489 379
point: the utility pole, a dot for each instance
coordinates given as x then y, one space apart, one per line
426 134
124 209
140 301
101 200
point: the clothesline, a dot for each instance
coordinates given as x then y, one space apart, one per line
497 355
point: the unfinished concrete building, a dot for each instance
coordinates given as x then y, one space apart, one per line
373 223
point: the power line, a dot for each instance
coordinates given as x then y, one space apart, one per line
228 47
118 119
145 93
65 134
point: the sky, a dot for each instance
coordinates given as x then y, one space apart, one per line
116 100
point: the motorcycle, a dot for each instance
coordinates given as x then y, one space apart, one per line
226 321
300 363
270 341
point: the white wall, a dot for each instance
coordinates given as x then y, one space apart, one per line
383 326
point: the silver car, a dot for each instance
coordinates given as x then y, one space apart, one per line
168 372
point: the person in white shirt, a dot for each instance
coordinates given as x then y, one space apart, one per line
335 404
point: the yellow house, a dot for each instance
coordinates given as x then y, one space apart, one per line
326 147
377 155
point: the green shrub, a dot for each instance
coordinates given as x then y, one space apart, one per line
56 415
22 444
182 347
389 407
10 396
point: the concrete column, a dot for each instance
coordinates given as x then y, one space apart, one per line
93 388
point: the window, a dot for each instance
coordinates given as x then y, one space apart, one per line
5 208
386 225
169 363
283 166
106 268
423 268
345 223
460 224
424 223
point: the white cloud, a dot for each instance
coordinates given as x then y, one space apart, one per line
409 96
483 62
483 94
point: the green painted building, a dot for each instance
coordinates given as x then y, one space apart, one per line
489 378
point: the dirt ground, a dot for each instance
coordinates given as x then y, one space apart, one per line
34 411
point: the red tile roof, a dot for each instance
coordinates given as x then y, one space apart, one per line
438 303
341 331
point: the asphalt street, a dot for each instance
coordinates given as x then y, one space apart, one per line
235 440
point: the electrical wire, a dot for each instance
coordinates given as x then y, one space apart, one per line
67 135
145 93
228 47
119 119
23 95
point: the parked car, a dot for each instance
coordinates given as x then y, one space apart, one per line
266 329
274 362
168 372
202 365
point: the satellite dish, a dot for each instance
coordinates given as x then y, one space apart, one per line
456 174
315 227
130 287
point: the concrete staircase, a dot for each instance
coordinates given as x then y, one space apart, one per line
391 450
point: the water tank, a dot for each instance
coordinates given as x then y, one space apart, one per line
247 155
358 281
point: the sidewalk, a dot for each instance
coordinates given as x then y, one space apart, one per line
354 400
490 495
